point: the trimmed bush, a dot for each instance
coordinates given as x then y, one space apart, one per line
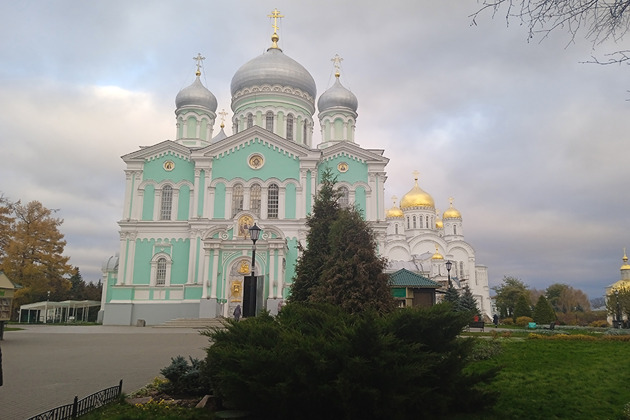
314 362
522 321
184 378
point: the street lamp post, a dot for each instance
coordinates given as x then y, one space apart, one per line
449 264
251 288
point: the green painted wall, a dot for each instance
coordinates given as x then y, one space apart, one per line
184 169
357 171
142 262
181 253
277 163
200 193
360 200
219 201
193 292
290 202
183 209
148 202
122 293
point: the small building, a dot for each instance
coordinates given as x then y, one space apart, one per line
7 290
411 289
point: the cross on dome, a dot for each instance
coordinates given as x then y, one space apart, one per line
223 114
337 63
199 59
275 14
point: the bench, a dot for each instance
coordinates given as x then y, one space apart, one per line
552 326
476 324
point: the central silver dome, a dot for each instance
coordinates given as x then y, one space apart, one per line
273 68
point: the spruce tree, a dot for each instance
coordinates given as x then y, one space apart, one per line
522 308
543 311
313 258
451 296
353 278
468 303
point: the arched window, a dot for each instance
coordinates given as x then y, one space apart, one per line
304 129
396 228
237 199
250 120
407 222
269 121
344 198
167 203
414 222
461 269
272 201
160 274
454 229
290 127
254 199
428 225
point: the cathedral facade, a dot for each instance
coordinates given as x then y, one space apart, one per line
189 202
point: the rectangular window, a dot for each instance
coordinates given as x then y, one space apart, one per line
272 202
167 203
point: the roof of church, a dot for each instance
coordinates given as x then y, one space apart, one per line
406 278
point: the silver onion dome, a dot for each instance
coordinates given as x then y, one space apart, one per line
337 96
273 68
196 95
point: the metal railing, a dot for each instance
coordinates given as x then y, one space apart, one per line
83 406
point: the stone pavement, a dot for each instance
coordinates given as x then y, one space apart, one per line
46 366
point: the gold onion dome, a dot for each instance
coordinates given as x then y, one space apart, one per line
394 211
416 197
452 212
438 222
437 255
625 265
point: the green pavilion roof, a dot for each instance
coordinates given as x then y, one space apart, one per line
406 278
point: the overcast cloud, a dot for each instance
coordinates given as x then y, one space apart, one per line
530 142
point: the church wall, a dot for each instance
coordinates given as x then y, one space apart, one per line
277 163
183 170
290 202
141 262
200 193
360 200
219 201
148 202
183 207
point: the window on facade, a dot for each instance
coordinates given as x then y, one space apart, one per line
461 268
414 222
269 121
254 199
290 127
160 274
167 203
250 120
304 132
454 229
237 199
344 199
396 227
427 224
272 202
407 222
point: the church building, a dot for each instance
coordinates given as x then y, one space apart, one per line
189 203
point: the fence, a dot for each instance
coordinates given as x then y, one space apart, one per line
81 407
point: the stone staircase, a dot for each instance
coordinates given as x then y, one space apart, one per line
196 323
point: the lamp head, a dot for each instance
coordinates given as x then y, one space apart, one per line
254 232
449 264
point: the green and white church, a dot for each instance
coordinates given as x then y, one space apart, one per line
189 202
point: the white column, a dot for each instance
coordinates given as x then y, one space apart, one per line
282 202
215 271
264 196
192 258
272 271
157 204
175 204
131 253
127 210
371 211
204 273
280 275
195 195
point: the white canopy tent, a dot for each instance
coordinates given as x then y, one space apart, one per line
57 312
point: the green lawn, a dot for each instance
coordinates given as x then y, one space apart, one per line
553 379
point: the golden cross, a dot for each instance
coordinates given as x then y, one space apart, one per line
416 174
337 63
450 200
199 59
223 114
275 15
394 198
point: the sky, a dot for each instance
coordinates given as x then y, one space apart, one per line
529 140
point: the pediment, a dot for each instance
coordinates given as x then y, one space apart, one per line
167 147
354 151
258 134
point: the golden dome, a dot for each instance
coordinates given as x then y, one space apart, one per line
438 222
437 255
452 212
416 197
394 211
625 265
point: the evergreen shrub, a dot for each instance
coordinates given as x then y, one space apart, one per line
184 378
318 361
522 321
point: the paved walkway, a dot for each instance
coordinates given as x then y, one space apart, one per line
46 366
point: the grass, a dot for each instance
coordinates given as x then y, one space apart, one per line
560 379
152 410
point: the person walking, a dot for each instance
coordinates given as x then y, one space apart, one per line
495 320
237 312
